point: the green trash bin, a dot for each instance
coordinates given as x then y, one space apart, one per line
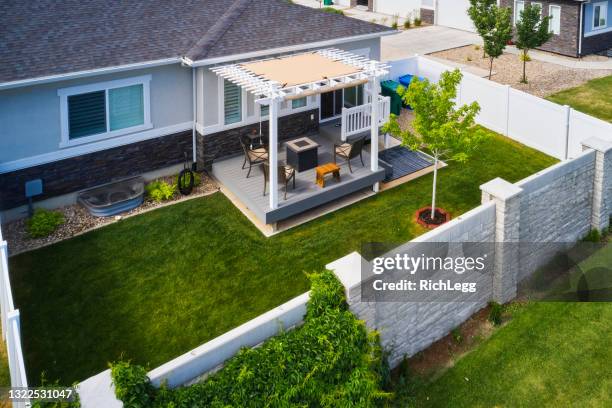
389 88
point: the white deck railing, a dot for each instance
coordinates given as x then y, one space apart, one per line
11 329
358 119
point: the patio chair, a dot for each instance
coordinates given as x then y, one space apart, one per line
286 174
348 151
252 155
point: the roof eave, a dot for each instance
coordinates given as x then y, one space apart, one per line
88 73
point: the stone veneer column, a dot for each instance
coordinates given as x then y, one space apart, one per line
602 184
507 198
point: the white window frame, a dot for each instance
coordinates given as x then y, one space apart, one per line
64 93
551 28
604 11
517 15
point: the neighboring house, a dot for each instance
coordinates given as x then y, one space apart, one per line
93 91
580 27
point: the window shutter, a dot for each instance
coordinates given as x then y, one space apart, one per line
87 114
232 102
126 107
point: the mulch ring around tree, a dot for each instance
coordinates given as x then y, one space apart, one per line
423 217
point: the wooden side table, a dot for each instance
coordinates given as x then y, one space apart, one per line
329 168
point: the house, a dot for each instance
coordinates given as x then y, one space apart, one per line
94 91
580 27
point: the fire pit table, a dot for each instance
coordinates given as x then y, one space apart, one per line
302 154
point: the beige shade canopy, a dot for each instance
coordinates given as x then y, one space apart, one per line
300 69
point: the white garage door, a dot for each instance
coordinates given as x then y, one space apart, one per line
453 13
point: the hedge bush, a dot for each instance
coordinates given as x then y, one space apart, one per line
330 361
44 222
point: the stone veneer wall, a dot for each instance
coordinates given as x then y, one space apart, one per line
89 170
566 42
226 143
556 206
559 204
409 327
427 16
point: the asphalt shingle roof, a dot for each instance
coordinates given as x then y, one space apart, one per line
49 37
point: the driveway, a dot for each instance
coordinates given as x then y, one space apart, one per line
425 40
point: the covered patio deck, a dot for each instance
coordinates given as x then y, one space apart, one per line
307 194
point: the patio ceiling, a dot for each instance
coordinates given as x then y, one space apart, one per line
299 75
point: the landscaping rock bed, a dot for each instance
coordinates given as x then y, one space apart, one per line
544 78
79 220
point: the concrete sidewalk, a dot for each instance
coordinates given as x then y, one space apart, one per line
563 61
425 40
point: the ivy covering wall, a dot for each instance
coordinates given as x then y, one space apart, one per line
330 361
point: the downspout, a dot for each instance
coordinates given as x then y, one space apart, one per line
195 118
580 32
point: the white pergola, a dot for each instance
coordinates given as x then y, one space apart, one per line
274 80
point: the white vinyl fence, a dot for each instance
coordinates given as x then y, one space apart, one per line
546 126
11 330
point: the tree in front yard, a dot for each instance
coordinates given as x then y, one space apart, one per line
443 130
497 38
531 32
480 12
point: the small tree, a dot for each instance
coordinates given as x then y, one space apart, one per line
480 12
495 40
531 32
445 131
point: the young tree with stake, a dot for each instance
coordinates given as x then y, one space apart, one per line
497 38
440 128
531 32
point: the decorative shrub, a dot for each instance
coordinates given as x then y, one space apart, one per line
160 191
44 222
332 10
592 236
330 361
417 21
407 23
495 314
457 337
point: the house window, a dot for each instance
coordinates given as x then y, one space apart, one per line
97 111
353 96
555 19
264 110
232 102
519 7
298 103
600 15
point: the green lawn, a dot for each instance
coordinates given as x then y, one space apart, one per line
548 355
593 98
151 287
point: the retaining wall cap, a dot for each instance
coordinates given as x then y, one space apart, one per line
596 143
500 188
347 269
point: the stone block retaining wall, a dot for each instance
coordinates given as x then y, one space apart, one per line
559 204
